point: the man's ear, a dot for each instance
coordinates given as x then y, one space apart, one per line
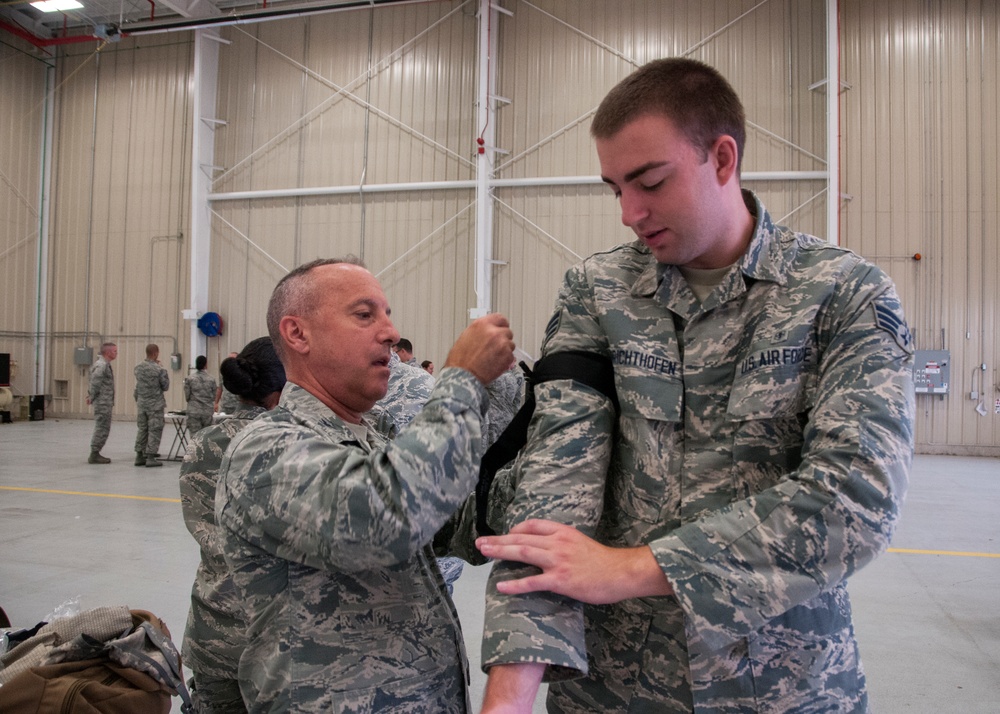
726 157
295 333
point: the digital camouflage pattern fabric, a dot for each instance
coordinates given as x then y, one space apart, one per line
229 403
151 381
762 452
327 530
199 391
215 635
409 389
506 396
101 391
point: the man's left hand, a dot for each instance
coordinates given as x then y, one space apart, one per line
575 565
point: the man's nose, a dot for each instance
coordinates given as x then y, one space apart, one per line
388 332
634 209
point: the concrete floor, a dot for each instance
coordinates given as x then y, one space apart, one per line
928 620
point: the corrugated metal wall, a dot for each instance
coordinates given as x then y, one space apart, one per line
920 161
23 80
918 148
118 261
302 110
559 58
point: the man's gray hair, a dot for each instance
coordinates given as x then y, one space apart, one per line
293 296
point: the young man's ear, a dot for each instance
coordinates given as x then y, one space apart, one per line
726 157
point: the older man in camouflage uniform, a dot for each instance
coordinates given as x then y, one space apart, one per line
327 526
101 394
151 381
759 458
199 391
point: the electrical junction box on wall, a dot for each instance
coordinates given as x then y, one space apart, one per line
931 371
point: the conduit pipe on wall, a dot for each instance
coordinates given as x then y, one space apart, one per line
471 184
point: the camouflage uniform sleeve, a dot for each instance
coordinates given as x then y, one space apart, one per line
738 568
560 475
164 379
336 505
97 375
187 389
199 474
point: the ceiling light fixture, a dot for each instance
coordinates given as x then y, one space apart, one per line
56 5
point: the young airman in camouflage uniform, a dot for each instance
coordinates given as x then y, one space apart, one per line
151 381
760 456
101 394
199 391
327 526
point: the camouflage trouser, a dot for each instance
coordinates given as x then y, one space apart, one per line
150 423
215 695
102 427
196 422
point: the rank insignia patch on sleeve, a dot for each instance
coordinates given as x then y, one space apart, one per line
886 319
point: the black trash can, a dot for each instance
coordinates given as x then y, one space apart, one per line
36 407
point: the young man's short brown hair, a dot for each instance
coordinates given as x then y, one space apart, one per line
691 94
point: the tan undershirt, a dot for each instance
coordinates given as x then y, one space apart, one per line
704 280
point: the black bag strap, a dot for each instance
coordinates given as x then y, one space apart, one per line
592 370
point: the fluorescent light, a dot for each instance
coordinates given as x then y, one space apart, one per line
56 5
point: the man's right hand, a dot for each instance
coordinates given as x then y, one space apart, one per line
485 348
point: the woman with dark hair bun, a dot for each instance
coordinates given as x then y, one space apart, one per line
215 635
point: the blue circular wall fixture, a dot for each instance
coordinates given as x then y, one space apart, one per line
210 324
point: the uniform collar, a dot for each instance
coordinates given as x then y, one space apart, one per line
762 261
306 408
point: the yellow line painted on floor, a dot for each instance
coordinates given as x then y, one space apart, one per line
944 552
177 500
85 493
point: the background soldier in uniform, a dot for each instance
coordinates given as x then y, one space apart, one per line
506 396
404 348
151 381
101 393
199 391
327 526
760 456
215 635
409 389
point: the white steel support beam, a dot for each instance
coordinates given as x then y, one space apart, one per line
39 375
486 147
205 75
832 123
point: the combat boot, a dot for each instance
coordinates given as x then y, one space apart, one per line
140 458
96 458
151 462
